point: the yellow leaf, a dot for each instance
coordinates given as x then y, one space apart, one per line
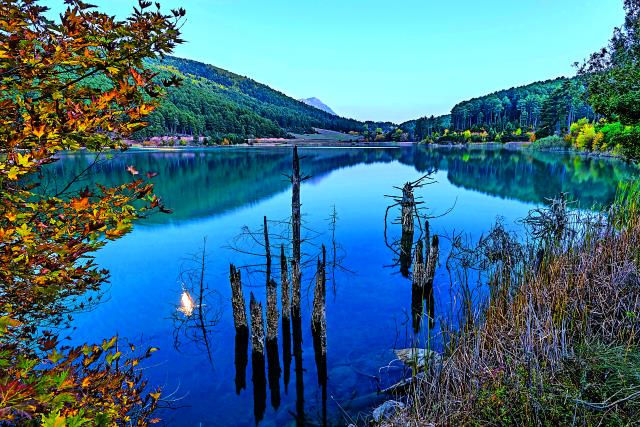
39 131
13 173
23 160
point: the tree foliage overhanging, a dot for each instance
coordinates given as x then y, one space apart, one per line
48 103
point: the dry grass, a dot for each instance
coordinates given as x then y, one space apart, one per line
556 342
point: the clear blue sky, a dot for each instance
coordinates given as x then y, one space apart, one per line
382 60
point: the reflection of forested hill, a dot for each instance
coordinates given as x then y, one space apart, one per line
527 175
203 183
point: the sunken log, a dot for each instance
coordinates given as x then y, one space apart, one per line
237 299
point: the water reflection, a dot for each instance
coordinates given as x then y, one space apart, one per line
204 183
365 317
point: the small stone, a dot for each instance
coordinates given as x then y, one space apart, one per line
386 410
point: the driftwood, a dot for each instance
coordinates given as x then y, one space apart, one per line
237 298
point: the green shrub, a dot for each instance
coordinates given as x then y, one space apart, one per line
550 142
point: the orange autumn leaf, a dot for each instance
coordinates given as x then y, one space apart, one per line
80 204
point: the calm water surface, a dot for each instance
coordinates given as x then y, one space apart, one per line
223 195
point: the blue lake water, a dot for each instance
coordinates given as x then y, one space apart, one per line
217 193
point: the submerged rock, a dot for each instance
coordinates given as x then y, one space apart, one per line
387 410
418 358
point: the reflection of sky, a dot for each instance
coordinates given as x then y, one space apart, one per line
369 315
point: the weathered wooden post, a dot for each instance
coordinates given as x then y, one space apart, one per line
237 299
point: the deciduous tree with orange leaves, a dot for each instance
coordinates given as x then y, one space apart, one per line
74 83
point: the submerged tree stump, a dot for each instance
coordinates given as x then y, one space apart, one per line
284 281
257 326
237 298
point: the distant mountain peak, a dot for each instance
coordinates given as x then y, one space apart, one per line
315 102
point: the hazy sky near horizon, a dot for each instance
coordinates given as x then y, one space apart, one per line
380 60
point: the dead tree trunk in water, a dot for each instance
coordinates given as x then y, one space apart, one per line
267 249
296 278
408 205
257 360
272 291
237 299
319 330
432 262
319 320
430 273
295 205
272 311
418 287
257 326
284 279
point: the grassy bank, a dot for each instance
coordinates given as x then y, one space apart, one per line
556 342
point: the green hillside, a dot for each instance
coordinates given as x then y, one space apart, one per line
216 103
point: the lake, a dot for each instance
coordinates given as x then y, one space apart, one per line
222 195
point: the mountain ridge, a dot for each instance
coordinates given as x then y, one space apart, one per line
317 103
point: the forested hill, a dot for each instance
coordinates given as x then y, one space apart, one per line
553 104
216 103
544 107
